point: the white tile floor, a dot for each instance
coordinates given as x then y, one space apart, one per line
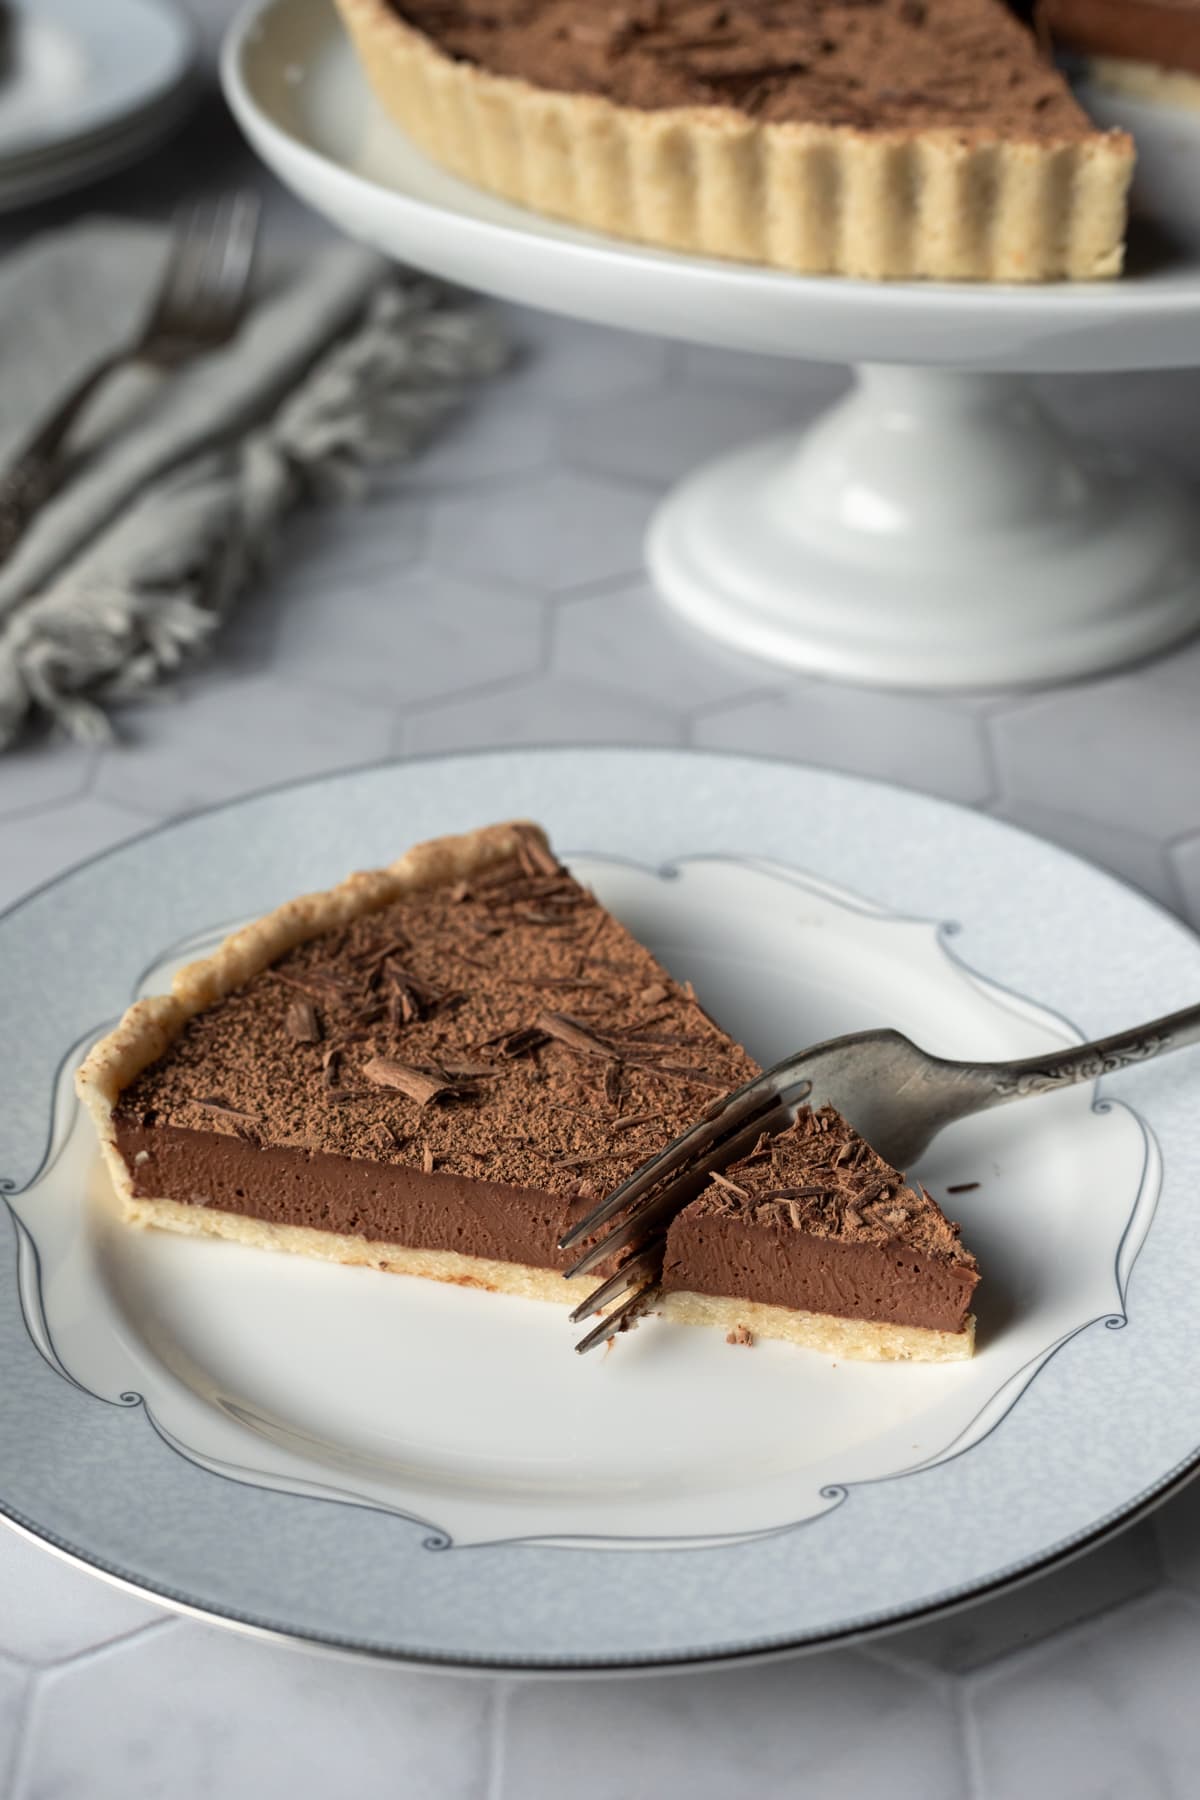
495 594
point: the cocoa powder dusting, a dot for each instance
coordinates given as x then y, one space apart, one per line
423 1055
966 65
819 1177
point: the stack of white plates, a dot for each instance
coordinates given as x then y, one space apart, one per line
86 86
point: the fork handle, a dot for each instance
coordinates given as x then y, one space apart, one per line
1001 1082
29 482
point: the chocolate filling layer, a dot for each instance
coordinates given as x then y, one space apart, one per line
964 64
1163 32
456 1071
417 1078
814 1220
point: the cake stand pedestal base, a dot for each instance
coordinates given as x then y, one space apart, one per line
935 529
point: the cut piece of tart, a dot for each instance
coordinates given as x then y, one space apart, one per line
430 1068
814 1238
435 1068
875 138
1147 48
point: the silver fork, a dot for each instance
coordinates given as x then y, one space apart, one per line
199 305
896 1096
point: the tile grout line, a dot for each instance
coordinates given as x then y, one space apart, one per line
968 1737
93 1652
14 1775
498 1739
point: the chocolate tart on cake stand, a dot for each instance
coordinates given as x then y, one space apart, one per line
935 528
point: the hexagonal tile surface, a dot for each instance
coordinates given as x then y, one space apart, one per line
52 1610
414 636
813 1726
658 436
1185 863
1120 1570
595 638
811 386
231 735
559 361
233 1716
908 738
1106 1710
42 771
1108 750
552 534
1178 1527
545 711
14 1694
502 431
51 841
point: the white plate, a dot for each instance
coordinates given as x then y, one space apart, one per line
428 1473
300 96
86 88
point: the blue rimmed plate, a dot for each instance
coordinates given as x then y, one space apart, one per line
427 1473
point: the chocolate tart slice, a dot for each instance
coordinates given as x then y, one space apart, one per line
429 1069
814 1238
435 1068
1149 49
875 138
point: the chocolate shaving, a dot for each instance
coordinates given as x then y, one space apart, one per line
592 938
613 1083
520 1042
562 981
369 959
574 1035
792 1193
389 1137
460 891
577 1162
381 1071
634 1036
532 917
632 1120
732 1186
314 984
428 1160
468 1071
963 1187
301 1021
330 1064
677 1072
654 995
225 1110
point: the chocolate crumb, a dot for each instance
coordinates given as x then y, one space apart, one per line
654 994
428 1160
740 1335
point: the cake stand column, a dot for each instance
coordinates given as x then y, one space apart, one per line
933 529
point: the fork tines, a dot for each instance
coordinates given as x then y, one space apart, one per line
657 1192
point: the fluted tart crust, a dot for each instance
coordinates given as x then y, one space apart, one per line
884 139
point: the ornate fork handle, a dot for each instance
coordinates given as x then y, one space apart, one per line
1087 1062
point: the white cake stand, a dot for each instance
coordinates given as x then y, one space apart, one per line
934 529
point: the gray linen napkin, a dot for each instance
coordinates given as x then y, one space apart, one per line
178 483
